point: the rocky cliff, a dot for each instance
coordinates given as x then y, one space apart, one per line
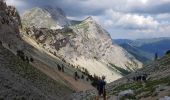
45 17
85 45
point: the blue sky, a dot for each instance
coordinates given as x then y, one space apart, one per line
121 18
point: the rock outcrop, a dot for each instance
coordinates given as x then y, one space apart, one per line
9 27
45 17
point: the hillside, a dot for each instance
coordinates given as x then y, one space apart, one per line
157 85
146 48
19 80
139 54
12 40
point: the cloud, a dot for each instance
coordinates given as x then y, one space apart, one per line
122 18
21 5
96 7
148 6
131 21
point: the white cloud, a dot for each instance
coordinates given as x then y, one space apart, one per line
125 17
15 2
108 23
164 16
20 5
132 21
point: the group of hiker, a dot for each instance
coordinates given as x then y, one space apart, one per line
102 83
140 78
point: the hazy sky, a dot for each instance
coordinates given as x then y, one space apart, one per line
121 18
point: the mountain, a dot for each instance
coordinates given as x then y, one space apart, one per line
139 54
45 17
149 46
35 55
40 63
160 47
35 58
84 45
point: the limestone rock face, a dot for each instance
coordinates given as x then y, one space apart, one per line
85 45
45 17
98 54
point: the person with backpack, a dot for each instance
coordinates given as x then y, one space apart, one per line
75 75
101 88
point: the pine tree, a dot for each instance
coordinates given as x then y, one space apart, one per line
156 56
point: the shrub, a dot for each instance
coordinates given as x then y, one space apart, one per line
168 52
21 54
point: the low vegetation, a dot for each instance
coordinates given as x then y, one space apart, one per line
121 70
141 89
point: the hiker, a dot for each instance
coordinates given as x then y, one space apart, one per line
59 68
75 75
0 42
138 78
27 59
144 76
62 68
101 88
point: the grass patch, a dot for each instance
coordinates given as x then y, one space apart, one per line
121 70
132 86
152 83
82 25
148 89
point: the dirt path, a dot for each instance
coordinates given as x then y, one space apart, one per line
57 75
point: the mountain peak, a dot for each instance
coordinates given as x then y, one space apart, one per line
55 11
45 17
90 18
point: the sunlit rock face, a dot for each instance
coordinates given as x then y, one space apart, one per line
45 17
84 45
